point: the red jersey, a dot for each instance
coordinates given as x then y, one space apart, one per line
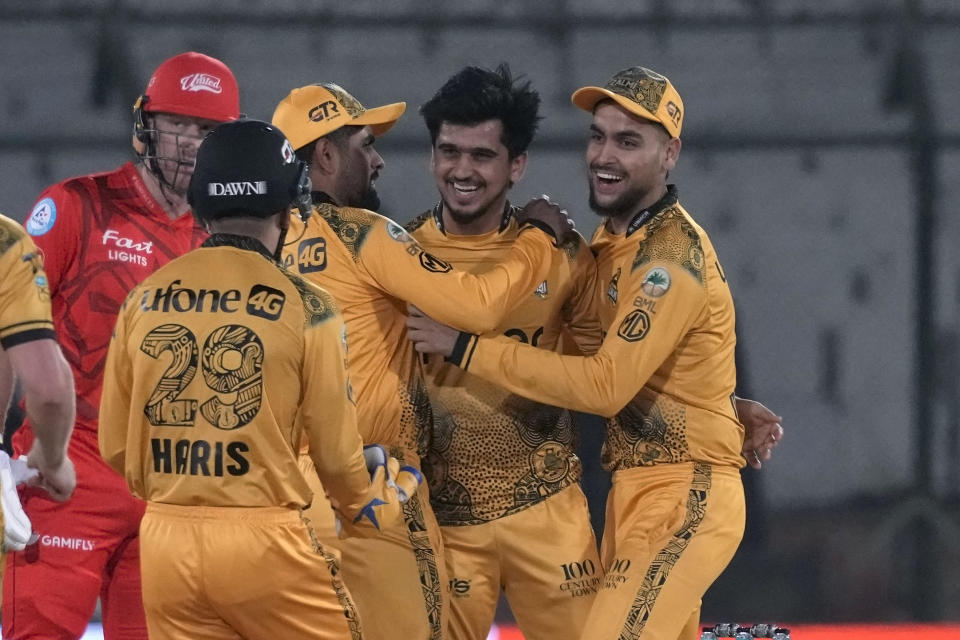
100 234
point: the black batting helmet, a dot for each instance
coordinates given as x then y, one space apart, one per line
246 168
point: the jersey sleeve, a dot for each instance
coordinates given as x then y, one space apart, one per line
24 293
117 392
53 224
328 415
637 344
582 332
471 302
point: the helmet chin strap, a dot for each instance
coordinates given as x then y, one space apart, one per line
284 222
278 252
303 202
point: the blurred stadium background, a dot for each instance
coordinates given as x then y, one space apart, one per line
821 151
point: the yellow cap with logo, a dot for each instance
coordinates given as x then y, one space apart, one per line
313 111
640 91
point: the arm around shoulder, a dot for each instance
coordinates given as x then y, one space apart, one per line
472 302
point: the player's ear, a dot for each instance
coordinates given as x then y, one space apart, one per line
518 166
326 157
671 153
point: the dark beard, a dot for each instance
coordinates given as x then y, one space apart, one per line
623 206
369 200
461 217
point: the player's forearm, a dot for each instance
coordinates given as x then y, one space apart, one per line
587 384
336 451
51 410
329 421
477 303
348 487
583 338
502 288
49 396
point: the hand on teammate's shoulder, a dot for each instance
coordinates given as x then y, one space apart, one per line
542 211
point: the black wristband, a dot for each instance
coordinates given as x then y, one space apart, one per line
460 348
29 335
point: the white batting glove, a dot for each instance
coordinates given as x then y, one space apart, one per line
17 530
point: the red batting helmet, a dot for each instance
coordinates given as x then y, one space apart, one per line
193 84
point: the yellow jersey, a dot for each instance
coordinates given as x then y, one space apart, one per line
495 453
24 292
664 375
373 268
221 365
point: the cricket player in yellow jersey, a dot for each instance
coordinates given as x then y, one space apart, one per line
503 472
664 375
221 364
372 267
29 354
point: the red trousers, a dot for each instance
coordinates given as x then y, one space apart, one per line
88 548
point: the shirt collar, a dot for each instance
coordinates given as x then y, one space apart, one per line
240 242
321 197
508 213
668 200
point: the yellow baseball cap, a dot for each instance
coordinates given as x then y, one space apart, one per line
315 110
640 91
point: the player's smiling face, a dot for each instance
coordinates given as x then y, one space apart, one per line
473 172
628 160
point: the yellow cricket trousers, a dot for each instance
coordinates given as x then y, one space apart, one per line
670 531
544 558
230 573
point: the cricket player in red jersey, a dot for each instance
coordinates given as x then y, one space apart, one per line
101 234
29 355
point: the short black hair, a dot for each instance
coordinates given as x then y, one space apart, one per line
338 137
474 95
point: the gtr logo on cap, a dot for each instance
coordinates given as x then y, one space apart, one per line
201 82
674 112
325 110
